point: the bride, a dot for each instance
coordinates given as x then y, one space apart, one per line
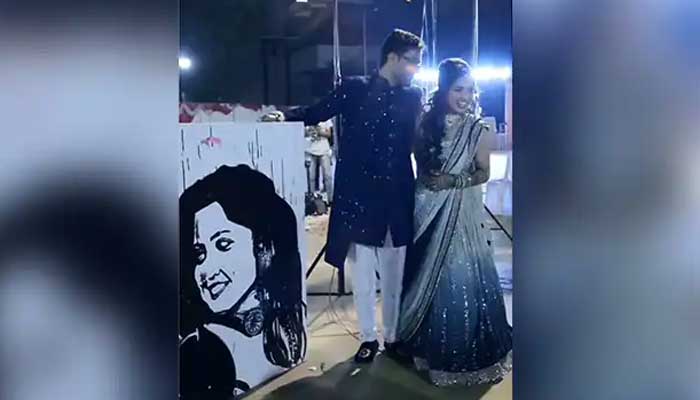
453 319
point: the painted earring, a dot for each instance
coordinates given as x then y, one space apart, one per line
253 322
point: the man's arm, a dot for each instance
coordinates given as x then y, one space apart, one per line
418 112
417 139
327 108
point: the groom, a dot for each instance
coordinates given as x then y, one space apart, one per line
371 220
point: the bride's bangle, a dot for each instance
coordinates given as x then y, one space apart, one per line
461 181
457 181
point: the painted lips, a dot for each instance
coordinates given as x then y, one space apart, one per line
216 284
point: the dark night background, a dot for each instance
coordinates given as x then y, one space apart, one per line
236 44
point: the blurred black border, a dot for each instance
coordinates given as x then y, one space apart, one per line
605 264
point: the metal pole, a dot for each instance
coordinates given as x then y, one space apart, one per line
337 125
288 71
509 114
336 76
336 46
266 81
316 260
500 225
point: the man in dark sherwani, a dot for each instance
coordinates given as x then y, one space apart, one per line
371 221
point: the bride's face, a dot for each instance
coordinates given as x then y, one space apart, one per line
461 95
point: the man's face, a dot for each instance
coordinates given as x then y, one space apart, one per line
406 66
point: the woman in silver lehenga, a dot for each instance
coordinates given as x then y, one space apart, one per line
453 317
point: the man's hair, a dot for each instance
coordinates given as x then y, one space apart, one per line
400 42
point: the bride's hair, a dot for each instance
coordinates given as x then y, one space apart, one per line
432 126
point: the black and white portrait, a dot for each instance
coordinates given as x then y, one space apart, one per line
242 314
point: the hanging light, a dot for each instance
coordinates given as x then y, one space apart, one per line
185 63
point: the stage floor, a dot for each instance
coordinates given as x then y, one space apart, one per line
328 371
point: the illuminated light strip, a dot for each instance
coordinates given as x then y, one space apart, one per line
480 74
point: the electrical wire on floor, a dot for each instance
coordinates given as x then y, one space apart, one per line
333 313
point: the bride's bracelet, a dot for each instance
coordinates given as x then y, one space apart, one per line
462 181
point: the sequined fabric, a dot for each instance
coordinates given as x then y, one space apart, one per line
374 183
488 375
453 314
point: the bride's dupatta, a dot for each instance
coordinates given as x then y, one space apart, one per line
436 218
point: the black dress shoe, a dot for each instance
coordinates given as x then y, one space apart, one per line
394 351
367 352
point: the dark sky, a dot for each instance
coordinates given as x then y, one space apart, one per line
223 37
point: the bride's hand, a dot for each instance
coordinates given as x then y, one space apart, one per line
439 182
424 179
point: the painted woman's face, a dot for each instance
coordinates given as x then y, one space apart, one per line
461 95
225 265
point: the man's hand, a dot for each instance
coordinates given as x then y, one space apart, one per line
325 131
275 116
312 132
437 181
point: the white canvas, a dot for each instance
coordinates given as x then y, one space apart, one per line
228 266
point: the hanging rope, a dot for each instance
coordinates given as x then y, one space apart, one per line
428 35
434 11
337 76
336 47
475 41
424 31
475 52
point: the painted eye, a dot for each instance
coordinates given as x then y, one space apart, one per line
224 244
200 253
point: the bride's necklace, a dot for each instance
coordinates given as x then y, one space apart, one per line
452 119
